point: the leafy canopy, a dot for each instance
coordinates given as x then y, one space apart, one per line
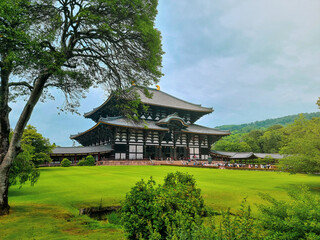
303 146
36 150
79 44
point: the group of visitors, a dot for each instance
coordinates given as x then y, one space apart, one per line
242 165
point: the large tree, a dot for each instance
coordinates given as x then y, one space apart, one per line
302 149
70 45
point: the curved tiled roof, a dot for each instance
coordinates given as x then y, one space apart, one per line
161 99
172 117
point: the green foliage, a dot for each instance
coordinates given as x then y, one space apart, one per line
295 219
231 227
232 143
241 226
82 162
39 147
89 161
150 210
114 218
272 140
35 151
23 170
65 162
302 148
259 141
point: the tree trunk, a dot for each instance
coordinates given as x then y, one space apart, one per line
4 137
4 187
8 154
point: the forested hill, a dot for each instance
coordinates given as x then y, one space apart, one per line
247 127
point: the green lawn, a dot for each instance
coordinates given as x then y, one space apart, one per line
49 210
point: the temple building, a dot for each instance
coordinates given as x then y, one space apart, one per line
166 130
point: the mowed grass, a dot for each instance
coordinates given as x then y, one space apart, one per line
49 210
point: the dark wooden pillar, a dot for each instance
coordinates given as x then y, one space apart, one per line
127 143
200 144
157 152
174 148
145 136
188 137
161 136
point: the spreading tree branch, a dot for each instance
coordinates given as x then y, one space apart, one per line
24 84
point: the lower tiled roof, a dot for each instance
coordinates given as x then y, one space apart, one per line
82 150
239 155
272 155
193 128
124 122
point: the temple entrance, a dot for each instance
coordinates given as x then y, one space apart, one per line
151 152
181 153
166 152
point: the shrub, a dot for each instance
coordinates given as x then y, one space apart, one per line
240 226
295 219
157 211
82 162
65 163
90 161
114 218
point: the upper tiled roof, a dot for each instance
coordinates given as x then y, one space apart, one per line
162 99
82 150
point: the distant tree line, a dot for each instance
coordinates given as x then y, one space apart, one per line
270 140
263 125
299 142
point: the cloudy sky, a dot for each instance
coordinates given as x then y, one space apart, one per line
248 59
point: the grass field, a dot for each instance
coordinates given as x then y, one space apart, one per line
49 210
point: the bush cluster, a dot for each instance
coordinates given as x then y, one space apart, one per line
65 163
158 210
88 161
